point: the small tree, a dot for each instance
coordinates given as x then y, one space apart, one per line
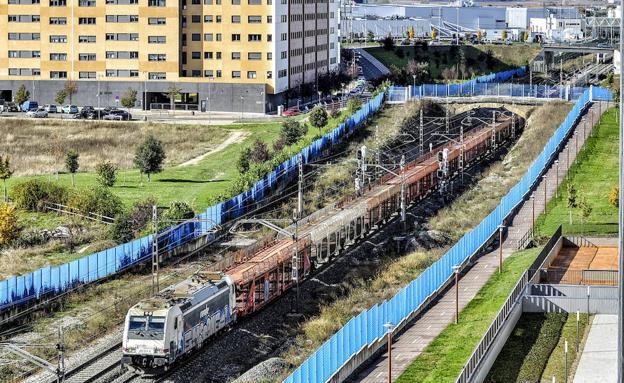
5 173
370 36
259 152
22 95
353 105
121 230
71 88
318 117
9 226
106 173
173 91
388 43
585 207
614 196
243 160
572 199
434 34
60 97
129 99
149 157
504 35
71 164
291 131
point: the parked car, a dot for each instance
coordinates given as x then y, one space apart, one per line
50 108
117 115
88 112
294 111
37 113
11 107
29 105
70 109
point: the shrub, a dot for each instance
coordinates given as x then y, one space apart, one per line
388 43
96 200
318 117
614 196
106 173
292 131
141 213
9 227
259 152
178 211
399 52
279 144
122 231
33 194
242 164
353 105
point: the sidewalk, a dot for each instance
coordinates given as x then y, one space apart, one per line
415 339
598 361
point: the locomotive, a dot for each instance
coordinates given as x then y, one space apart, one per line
160 330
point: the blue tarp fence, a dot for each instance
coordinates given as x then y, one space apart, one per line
51 281
368 327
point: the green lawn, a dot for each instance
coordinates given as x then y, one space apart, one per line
444 358
441 57
594 173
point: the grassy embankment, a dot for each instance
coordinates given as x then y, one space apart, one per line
542 352
594 174
440 58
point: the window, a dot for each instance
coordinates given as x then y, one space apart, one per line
207 55
254 19
157 75
218 37
218 72
55 38
284 55
208 36
218 57
157 39
269 74
122 2
122 37
235 19
58 21
86 39
122 54
122 18
122 73
86 57
196 37
208 18
236 74
196 55
58 74
58 56
218 18
235 2
24 36
236 55
284 18
282 73
86 3
269 37
24 2
157 3
196 19
254 56
254 2
86 20
86 75
251 74
157 21
209 73
235 37
255 37
157 57
24 54
269 19
269 56
58 3
24 18
284 36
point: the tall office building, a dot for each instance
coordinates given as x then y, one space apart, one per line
236 55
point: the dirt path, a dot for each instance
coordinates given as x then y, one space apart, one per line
234 138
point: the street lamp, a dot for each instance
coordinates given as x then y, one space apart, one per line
242 98
500 248
319 99
414 77
389 327
456 272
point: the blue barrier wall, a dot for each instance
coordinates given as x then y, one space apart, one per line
367 327
57 279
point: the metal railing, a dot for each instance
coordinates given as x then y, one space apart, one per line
579 277
167 106
64 209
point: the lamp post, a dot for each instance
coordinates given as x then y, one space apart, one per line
578 318
389 327
500 248
557 179
456 272
545 187
319 99
565 351
532 210
242 98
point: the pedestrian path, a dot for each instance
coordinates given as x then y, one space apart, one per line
598 361
408 345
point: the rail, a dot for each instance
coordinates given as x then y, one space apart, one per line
579 277
64 209
167 106
526 239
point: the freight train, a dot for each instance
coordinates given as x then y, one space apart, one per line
160 330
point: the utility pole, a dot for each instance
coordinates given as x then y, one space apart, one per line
300 188
446 116
620 364
420 133
155 277
295 261
403 204
60 347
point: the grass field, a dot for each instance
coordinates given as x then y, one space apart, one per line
444 358
594 173
442 57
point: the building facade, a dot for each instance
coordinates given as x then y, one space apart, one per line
215 51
